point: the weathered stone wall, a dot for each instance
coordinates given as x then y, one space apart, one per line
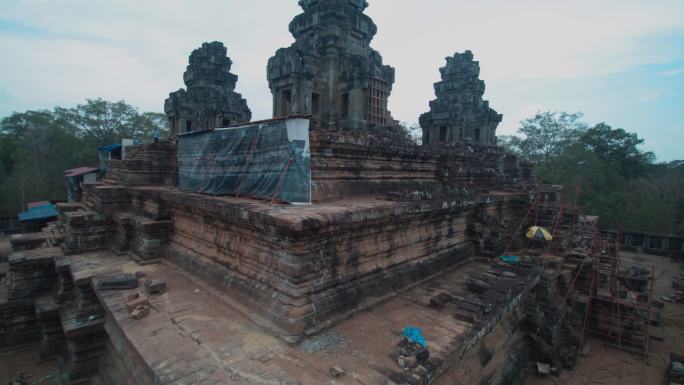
347 163
121 362
153 164
496 354
392 214
318 266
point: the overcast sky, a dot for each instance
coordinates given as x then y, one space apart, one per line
618 61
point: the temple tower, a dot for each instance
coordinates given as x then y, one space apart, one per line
459 114
331 70
210 100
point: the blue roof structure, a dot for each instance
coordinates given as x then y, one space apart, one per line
39 213
110 148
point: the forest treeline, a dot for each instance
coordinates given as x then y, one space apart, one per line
37 146
605 169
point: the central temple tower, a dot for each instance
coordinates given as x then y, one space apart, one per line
331 70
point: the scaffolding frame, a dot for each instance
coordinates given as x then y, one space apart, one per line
604 301
607 280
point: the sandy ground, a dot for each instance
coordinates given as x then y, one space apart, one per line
609 366
17 361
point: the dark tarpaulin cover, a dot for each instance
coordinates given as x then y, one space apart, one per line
266 160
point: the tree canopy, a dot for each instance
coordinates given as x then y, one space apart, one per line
617 180
37 146
545 135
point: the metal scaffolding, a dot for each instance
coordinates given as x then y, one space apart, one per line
619 300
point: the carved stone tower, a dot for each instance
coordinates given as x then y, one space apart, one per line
459 114
331 70
210 100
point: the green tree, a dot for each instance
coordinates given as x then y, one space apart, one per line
102 122
617 180
40 150
619 148
37 146
545 135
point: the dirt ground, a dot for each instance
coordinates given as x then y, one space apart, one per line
20 362
609 366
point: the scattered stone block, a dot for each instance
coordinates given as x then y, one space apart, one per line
140 312
336 371
155 287
411 362
132 305
28 241
116 282
440 300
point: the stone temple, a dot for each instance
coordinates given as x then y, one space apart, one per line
192 263
210 100
459 114
331 71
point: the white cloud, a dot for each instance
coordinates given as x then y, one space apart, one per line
674 72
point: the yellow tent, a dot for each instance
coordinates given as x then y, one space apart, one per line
538 233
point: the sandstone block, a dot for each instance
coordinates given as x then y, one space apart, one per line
155 286
140 312
134 304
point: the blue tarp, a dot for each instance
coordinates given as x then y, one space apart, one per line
268 160
510 258
415 335
39 213
110 148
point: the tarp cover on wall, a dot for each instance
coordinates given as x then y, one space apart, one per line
266 160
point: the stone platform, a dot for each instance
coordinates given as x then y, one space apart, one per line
306 266
196 335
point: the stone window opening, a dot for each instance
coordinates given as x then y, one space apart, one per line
286 103
443 134
225 122
315 103
477 134
427 137
345 105
188 125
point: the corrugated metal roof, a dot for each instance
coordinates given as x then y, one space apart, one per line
80 171
38 213
36 204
